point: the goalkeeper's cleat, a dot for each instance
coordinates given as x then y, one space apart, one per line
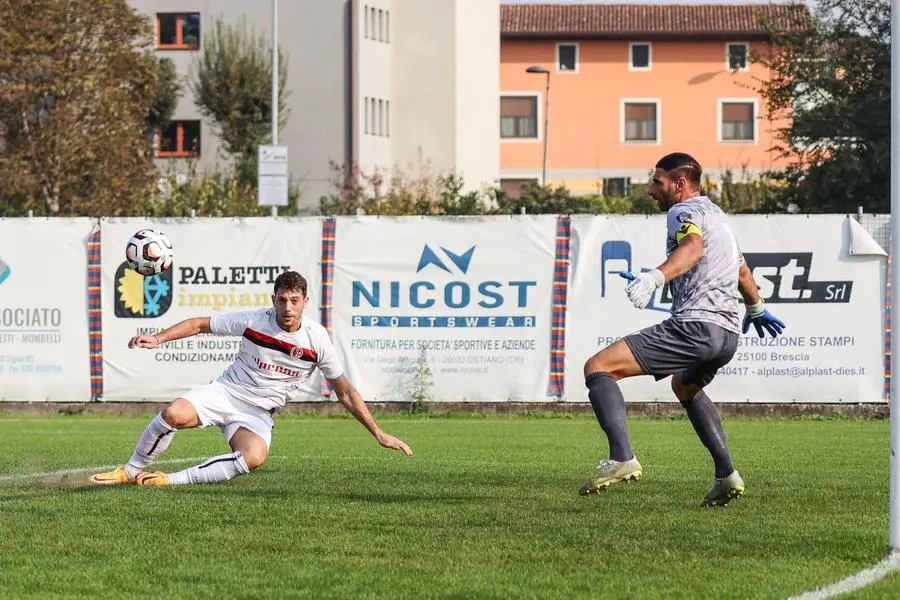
610 472
724 489
117 476
157 478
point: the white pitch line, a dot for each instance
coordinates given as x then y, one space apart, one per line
854 582
62 472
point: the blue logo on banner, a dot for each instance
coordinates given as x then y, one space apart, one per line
619 251
431 303
4 271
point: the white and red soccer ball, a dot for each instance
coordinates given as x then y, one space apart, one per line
149 252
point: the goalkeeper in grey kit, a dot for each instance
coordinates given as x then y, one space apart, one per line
705 270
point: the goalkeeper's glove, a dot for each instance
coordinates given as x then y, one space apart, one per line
643 286
762 319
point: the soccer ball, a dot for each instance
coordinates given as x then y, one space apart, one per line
149 252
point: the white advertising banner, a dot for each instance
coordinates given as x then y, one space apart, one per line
44 349
458 308
220 265
832 349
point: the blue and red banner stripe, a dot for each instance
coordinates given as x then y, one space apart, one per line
556 385
329 227
95 314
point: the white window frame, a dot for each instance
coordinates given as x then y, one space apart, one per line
577 58
649 66
746 100
622 103
539 115
728 57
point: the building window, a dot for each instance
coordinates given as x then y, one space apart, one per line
372 15
178 31
179 139
641 119
380 25
567 58
381 117
387 118
513 187
640 56
737 56
616 186
372 117
366 115
518 117
738 121
387 26
366 21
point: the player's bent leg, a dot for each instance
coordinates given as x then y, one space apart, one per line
727 482
617 359
602 371
252 447
179 414
249 452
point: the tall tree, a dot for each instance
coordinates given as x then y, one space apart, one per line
166 96
232 84
830 79
77 81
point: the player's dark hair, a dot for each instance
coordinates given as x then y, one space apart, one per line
290 281
680 164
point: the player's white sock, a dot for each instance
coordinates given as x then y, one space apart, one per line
213 470
155 439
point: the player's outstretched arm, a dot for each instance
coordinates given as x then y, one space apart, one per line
645 284
685 257
184 329
757 314
355 404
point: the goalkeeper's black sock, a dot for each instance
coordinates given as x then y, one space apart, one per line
609 407
708 425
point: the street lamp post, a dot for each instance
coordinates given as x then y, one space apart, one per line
541 70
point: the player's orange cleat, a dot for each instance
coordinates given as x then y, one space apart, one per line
157 478
117 476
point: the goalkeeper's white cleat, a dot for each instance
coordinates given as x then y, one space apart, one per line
724 489
610 472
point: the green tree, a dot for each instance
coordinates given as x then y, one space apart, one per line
77 80
232 84
168 92
830 78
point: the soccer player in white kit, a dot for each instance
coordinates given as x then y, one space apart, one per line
280 350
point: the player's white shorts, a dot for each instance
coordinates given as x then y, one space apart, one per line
215 405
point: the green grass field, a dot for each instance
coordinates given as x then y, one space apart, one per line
486 508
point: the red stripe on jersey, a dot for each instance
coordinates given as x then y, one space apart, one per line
261 339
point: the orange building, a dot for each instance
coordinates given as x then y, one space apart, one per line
623 85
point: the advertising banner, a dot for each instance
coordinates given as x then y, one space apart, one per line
44 348
831 302
452 309
220 265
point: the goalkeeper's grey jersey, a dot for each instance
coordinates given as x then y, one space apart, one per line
709 291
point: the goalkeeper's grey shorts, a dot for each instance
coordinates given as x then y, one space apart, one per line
695 349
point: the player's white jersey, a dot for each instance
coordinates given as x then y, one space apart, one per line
271 361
